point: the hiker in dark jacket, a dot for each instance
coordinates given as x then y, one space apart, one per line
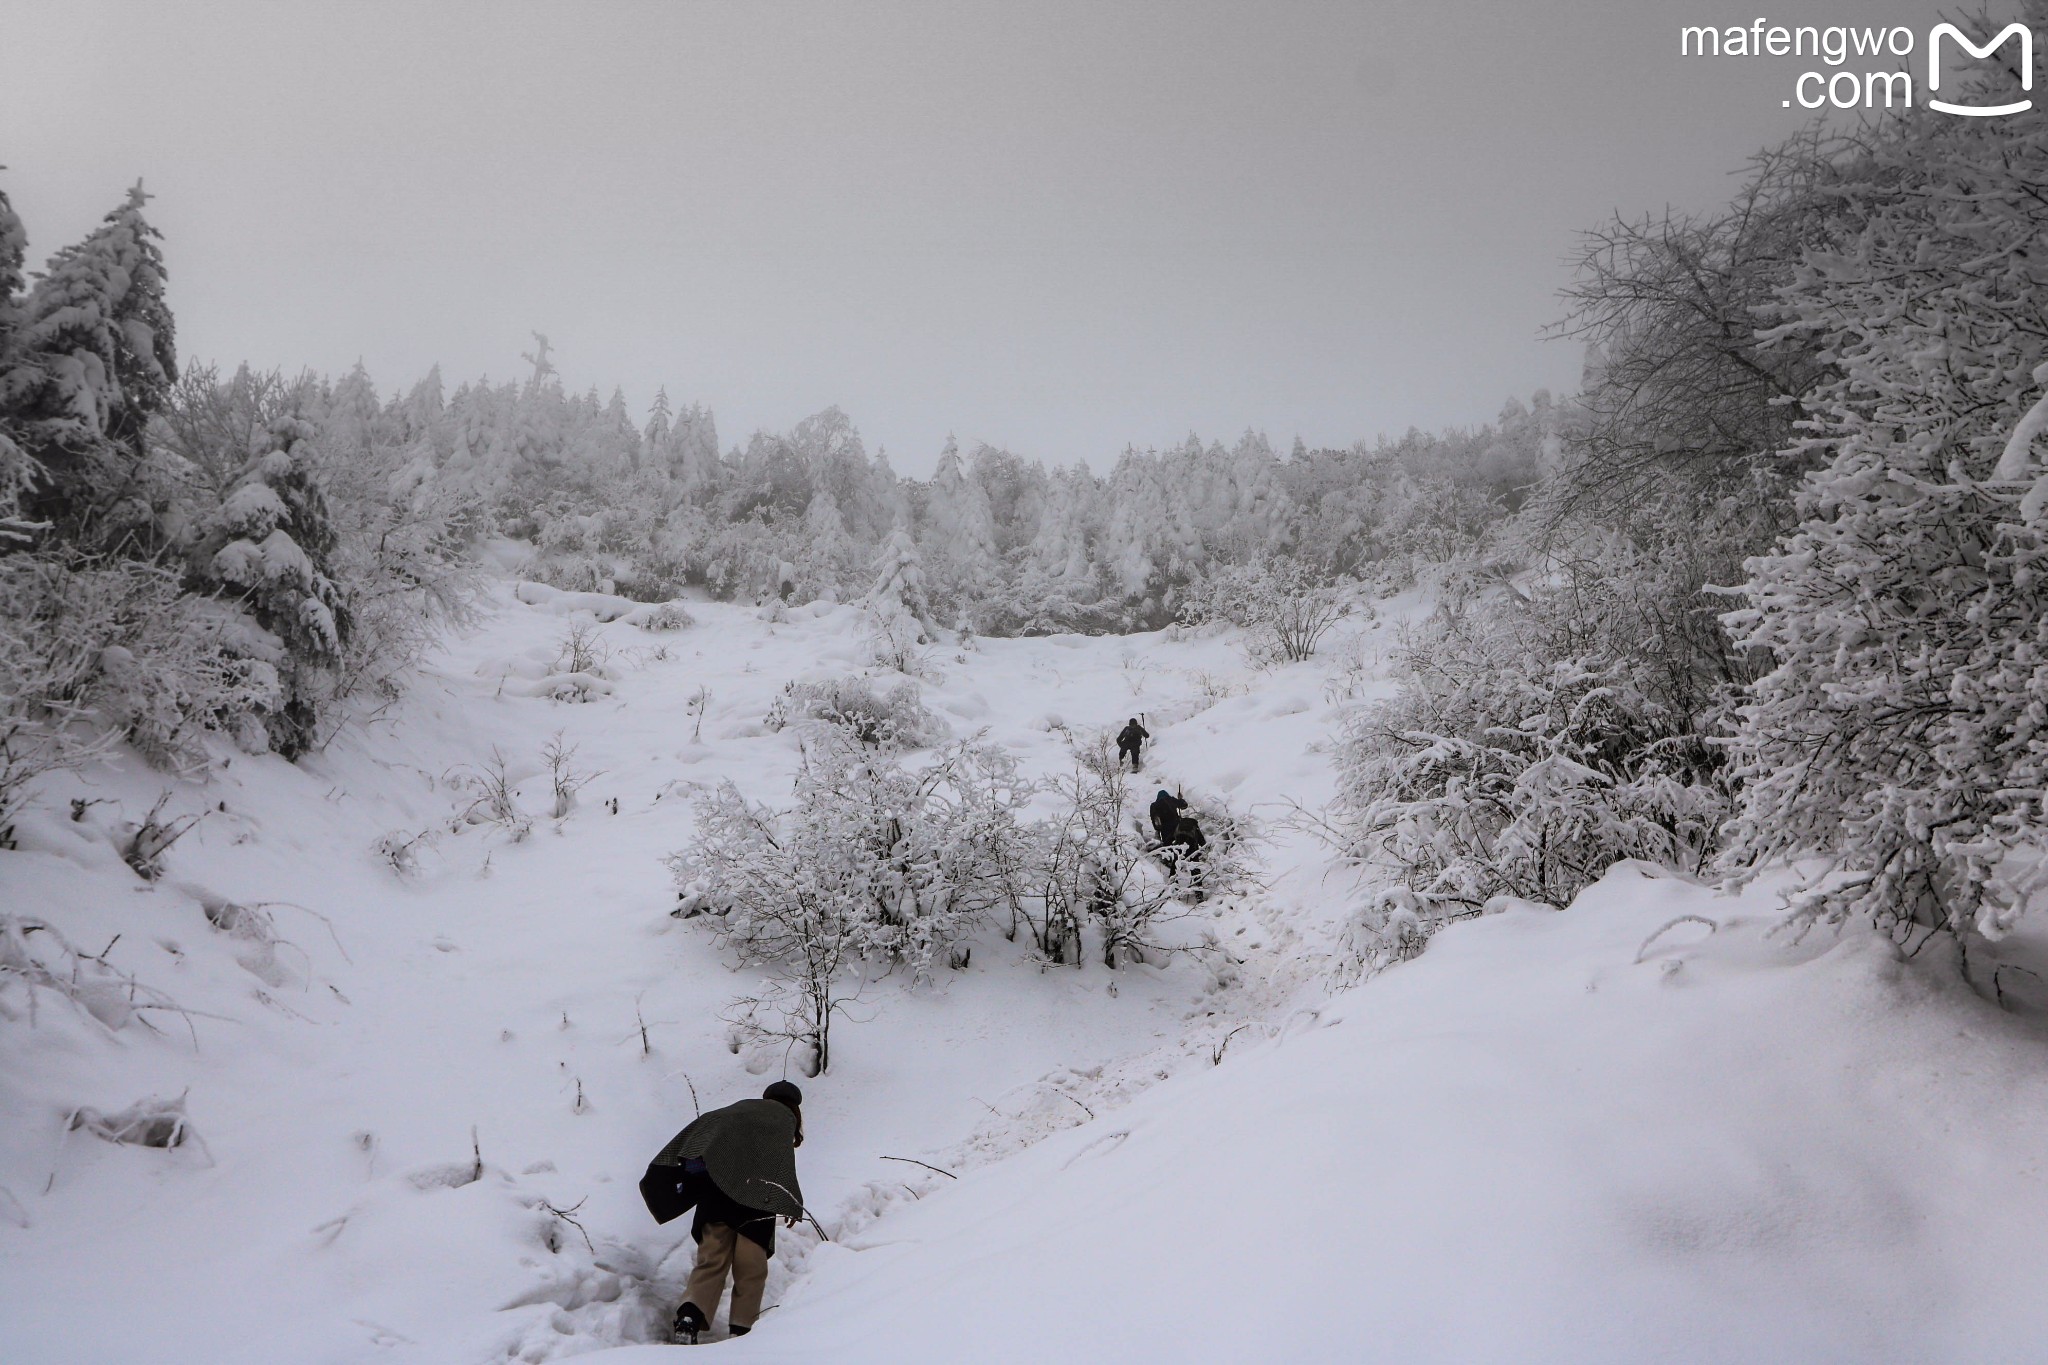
1166 809
736 1167
1130 742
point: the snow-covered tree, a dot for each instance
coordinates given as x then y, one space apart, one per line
1900 735
877 864
17 471
92 357
268 547
897 608
959 532
660 422
830 558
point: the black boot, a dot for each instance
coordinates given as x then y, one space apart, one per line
737 1330
689 1322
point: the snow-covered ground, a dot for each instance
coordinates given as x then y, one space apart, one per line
1524 1145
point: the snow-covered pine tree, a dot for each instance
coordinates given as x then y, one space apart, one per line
828 558
660 421
17 471
694 467
13 256
268 547
960 533
93 355
1135 535
423 415
1900 733
899 614
1054 584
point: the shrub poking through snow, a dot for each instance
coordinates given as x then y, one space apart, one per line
149 841
583 649
662 617
494 798
891 719
39 957
146 1123
402 848
563 776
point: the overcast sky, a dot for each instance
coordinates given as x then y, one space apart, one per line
1059 228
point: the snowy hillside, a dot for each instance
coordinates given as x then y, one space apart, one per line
351 1036
1526 1145
419 1098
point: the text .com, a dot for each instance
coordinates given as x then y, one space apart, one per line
1872 88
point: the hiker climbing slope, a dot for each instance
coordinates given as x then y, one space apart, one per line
1130 743
1165 812
736 1167
1187 849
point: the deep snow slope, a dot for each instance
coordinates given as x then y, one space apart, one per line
1525 1145
420 1098
395 1078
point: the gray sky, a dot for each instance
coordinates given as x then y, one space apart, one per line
1055 227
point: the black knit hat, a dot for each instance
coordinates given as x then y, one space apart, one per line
782 1092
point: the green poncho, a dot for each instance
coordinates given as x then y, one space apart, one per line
750 1150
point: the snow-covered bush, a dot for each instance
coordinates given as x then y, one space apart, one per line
1899 735
387 540
878 863
895 718
401 849
1286 606
1523 756
1393 925
662 617
117 643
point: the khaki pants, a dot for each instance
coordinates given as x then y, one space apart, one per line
723 1249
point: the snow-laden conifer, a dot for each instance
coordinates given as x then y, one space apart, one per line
92 356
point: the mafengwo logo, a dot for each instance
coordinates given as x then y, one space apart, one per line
1870 89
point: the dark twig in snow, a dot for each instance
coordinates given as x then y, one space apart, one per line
1998 971
568 1216
800 1204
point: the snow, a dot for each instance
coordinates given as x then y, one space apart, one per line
254 505
412 1094
1522 1146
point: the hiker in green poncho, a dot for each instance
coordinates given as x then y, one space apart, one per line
736 1167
